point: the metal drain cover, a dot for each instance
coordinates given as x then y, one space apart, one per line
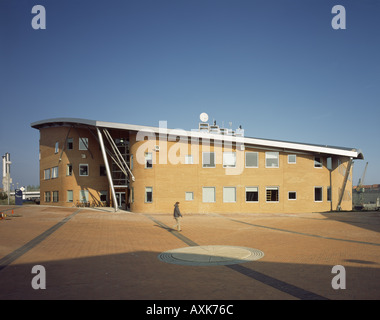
210 255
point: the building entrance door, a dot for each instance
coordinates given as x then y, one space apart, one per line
120 198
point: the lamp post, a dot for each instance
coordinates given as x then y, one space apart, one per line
7 173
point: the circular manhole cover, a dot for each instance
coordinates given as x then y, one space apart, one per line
210 255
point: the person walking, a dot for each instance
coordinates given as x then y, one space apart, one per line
177 216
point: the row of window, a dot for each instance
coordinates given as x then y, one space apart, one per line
82 143
272 160
53 196
52 173
251 194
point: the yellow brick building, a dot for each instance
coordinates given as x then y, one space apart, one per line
209 170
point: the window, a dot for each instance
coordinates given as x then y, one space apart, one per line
131 161
56 149
69 169
208 194
292 195
251 160
208 159
70 144
83 143
229 194
329 163
189 159
148 194
47 174
251 194
328 193
148 160
103 195
271 159
317 162
54 172
292 159
229 159
317 193
69 195
47 196
272 194
132 195
55 196
83 169
102 171
189 196
83 196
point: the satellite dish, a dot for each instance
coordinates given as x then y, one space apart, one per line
203 117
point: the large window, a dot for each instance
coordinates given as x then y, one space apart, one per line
271 159
83 143
83 170
148 194
208 194
251 194
229 194
272 194
318 194
251 160
208 159
229 159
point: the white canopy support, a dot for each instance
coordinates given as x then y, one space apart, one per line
121 163
107 169
338 208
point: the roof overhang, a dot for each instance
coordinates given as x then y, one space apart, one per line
286 146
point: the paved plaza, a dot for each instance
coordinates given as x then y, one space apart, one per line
101 254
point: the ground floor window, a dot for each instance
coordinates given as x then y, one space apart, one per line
251 194
47 196
328 193
189 196
317 193
55 196
103 196
69 195
208 194
292 195
229 194
272 194
148 194
83 196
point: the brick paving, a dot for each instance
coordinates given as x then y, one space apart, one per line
95 254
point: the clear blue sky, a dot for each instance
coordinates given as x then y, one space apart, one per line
276 67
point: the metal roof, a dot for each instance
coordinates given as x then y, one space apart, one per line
286 146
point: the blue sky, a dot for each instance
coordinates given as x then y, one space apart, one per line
276 67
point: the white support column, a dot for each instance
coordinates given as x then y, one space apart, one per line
107 168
